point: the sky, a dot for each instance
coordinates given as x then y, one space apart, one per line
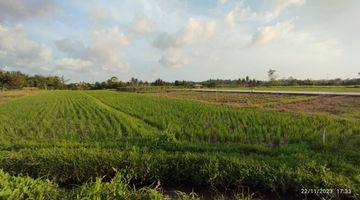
92 40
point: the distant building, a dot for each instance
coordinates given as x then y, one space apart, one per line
198 86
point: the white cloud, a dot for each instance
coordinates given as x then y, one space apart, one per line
208 40
242 12
193 33
73 47
109 38
281 5
142 25
173 58
230 19
17 50
73 64
22 9
104 50
314 46
100 15
268 34
222 1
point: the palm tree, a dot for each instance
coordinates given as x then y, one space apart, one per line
114 79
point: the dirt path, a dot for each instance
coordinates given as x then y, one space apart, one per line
279 92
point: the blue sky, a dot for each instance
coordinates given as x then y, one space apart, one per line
180 39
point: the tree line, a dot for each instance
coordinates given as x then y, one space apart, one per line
19 80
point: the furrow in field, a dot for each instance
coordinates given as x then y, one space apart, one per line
151 122
130 115
139 126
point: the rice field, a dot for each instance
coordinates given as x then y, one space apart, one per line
104 144
244 100
345 107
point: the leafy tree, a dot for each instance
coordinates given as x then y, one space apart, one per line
159 82
112 83
212 83
272 74
134 81
12 80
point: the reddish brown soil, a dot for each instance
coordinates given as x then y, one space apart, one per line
341 106
334 105
236 99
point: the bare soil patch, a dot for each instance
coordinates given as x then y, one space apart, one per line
348 107
340 106
237 99
14 94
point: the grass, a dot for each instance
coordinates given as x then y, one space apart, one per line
81 140
18 188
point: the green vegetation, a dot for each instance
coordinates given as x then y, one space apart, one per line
19 80
18 188
73 138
